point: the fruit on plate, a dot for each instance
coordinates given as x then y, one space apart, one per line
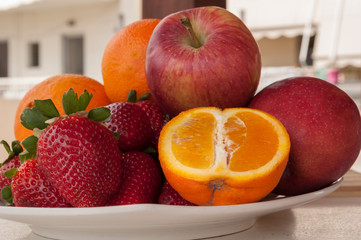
13 161
123 60
169 196
53 88
215 157
140 182
76 153
138 122
132 125
157 118
324 127
30 188
202 57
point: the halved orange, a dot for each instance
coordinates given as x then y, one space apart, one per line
222 157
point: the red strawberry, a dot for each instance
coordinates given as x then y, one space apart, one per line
132 124
78 155
81 159
156 117
141 180
13 161
170 196
30 188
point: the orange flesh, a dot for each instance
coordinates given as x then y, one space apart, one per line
254 152
193 144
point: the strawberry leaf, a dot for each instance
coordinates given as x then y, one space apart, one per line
7 195
150 150
144 97
10 173
73 104
29 144
132 96
116 135
13 151
100 114
6 146
33 118
16 146
47 108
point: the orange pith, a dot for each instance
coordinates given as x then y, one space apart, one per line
123 62
53 88
215 157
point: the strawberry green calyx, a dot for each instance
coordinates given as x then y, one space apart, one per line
44 113
7 196
132 96
73 104
29 144
37 116
13 151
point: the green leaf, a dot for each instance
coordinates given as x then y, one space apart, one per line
29 144
100 114
33 118
73 104
6 146
144 97
10 173
84 100
15 150
7 195
150 150
132 96
70 100
16 146
47 108
116 135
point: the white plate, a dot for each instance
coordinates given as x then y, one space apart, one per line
153 221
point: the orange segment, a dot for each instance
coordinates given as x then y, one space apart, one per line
215 157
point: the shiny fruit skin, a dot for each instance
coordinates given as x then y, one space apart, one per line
81 159
223 72
324 126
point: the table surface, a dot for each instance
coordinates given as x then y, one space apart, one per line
337 216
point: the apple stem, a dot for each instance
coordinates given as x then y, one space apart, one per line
187 23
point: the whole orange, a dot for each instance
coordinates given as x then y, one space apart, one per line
53 88
123 61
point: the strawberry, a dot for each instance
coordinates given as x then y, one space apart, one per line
156 117
78 155
153 111
141 180
170 196
132 124
12 162
30 188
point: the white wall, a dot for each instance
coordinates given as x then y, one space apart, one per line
97 22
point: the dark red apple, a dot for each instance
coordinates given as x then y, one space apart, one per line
202 57
324 127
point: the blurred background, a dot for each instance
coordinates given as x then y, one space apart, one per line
42 38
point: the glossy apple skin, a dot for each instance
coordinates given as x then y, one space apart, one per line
324 127
223 72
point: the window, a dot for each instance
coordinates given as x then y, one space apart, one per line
3 59
34 54
73 61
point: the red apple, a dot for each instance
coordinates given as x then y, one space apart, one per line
324 126
210 60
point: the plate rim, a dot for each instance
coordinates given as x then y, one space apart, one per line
311 196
